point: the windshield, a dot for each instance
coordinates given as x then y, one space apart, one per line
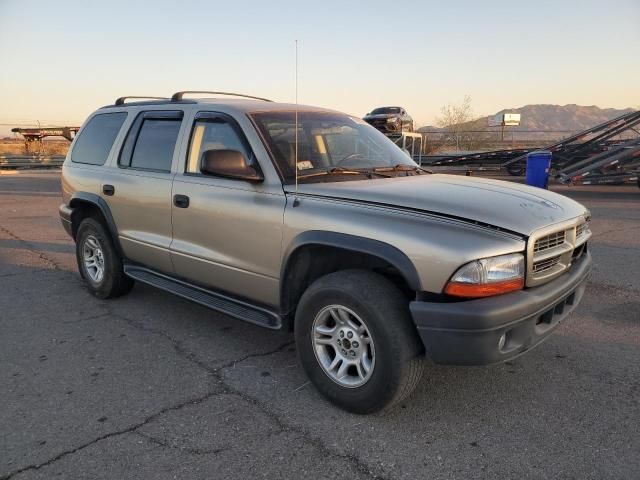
385 110
327 142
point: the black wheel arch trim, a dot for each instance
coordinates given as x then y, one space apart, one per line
101 204
376 248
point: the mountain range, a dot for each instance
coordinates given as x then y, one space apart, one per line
553 117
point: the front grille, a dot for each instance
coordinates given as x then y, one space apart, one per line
382 125
549 241
552 250
547 264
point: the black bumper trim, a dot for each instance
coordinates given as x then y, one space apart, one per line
469 332
65 218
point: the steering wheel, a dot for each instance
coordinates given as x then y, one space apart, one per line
342 161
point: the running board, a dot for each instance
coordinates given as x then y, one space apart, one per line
207 298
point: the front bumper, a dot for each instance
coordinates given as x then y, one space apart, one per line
385 127
470 332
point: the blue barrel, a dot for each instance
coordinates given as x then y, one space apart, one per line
538 164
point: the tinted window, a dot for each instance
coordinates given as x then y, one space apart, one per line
96 138
385 110
155 144
213 134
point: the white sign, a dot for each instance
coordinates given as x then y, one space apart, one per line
504 120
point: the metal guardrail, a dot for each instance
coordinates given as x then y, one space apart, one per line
13 162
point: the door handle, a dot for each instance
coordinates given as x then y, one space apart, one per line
181 201
108 189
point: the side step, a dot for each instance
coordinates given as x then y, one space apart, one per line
207 298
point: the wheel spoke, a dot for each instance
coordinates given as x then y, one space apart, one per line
342 371
324 330
337 359
366 362
91 243
346 319
324 341
335 314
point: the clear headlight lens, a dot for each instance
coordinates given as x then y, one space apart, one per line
488 276
392 120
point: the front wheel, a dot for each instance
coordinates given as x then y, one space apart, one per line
357 342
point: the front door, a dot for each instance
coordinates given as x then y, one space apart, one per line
227 234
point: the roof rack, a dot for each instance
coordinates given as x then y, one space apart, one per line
178 95
121 100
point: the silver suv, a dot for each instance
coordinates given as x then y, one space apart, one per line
306 219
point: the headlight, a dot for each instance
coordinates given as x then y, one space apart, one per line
488 276
392 120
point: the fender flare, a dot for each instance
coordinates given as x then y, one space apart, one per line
376 248
103 206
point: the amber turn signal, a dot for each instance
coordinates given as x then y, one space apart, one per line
472 290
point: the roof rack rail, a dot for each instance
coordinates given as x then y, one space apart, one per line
178 95
121 100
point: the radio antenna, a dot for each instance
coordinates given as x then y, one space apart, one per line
295 166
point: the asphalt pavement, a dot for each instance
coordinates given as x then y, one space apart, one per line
151 386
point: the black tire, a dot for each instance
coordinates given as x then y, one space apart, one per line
516 169
399 354
113 282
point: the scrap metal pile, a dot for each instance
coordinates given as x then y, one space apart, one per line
605 154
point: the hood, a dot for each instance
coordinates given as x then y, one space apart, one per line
509 206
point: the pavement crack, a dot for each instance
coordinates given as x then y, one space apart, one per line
52 263
283 426
130 429
280 423
192 451
190 356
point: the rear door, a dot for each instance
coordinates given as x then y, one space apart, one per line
138 187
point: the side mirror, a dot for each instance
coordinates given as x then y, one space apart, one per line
229 164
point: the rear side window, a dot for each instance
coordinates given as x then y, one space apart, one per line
151 141
96 138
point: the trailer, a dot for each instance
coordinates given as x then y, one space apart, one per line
36 135
587 152
581 146
411 143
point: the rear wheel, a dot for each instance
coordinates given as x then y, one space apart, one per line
356 341
98 261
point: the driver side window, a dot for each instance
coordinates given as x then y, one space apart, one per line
213 134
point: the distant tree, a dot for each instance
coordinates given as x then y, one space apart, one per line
453 119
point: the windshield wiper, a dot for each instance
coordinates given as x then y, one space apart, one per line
402 167
344 171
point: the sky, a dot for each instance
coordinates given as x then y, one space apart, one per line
62 60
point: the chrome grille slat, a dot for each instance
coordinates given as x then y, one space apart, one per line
544 265
549 241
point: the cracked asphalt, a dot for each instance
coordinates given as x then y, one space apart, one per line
151 386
